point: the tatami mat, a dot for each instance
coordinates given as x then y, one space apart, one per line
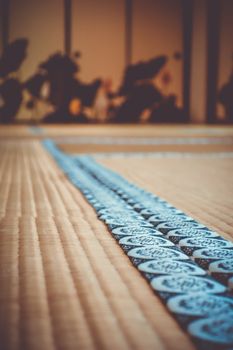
87 148
65 283
202 188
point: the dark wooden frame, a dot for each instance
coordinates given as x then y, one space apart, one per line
4 14
128 31
67 26
187 31
213 36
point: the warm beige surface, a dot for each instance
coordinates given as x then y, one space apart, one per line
18 131
85 148
108 130
203 188
32 20
65 283
142 130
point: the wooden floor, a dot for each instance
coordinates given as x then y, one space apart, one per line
65 283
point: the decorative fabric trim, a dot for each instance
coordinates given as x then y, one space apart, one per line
184 262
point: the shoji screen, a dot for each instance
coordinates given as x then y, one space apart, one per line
42 23
98 32
157 29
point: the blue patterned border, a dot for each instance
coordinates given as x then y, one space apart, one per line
186 264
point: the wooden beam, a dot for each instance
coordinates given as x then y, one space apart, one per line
128 31
4 14
187 9
67 26
213 29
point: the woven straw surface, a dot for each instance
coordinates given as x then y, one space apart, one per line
76 148
137 130
201 187
114 130
65 283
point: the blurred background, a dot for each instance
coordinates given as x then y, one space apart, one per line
116 61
